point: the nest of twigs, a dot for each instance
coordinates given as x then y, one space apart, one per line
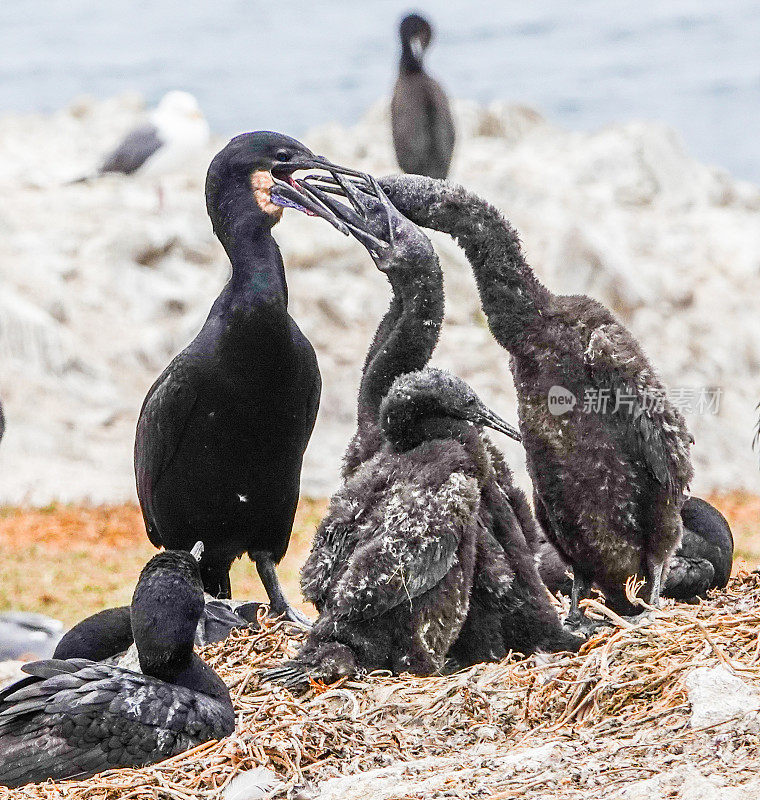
617 711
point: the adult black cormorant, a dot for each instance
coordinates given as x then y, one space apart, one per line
609 472
423 128
75 718
222 432
392 563
702 562
509 607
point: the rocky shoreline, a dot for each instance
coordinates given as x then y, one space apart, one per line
100 286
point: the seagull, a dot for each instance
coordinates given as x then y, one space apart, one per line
175 130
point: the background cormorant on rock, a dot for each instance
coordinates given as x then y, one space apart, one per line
222 432
421 119
608 480
76 718
509 606
406 525
702 562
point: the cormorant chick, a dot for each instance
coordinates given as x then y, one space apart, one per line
72 719
609 472
702 562
423 128
509 607
391 566
222 432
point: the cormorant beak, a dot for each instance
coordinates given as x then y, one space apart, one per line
299 195
484 416
197 551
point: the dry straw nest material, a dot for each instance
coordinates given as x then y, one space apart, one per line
555 726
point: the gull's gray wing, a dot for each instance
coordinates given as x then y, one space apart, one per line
134 150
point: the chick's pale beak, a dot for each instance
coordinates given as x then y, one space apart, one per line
197 551
492 420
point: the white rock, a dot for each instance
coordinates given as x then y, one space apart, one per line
717 696
623 213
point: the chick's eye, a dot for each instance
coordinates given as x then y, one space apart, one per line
282 155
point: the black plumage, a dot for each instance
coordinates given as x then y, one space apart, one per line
364 530
702 561
421 120
608 486
76 718
108 633
392 562
509 607
222 432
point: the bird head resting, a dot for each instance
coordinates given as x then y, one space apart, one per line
260 166
416 34
166 606
434 404
394 242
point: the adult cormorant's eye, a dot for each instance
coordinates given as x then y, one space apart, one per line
282 155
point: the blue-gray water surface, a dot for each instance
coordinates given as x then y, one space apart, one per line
290 65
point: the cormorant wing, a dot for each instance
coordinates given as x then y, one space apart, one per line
412 548
134 150
75 718
160 428
637 408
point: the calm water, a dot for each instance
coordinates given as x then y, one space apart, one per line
293 64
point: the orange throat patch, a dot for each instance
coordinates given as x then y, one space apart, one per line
262 183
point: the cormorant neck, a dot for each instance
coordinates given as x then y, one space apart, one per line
245 232
418 304
409 63
167 665
514 301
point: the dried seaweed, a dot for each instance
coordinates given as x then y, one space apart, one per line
622 695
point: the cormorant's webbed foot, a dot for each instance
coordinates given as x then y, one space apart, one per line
278 604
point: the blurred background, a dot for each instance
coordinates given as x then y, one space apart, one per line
690 63
618 138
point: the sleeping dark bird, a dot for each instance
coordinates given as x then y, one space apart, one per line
75 718
222 432
423 127
108 633
702 562
391 566
610 471
509 607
